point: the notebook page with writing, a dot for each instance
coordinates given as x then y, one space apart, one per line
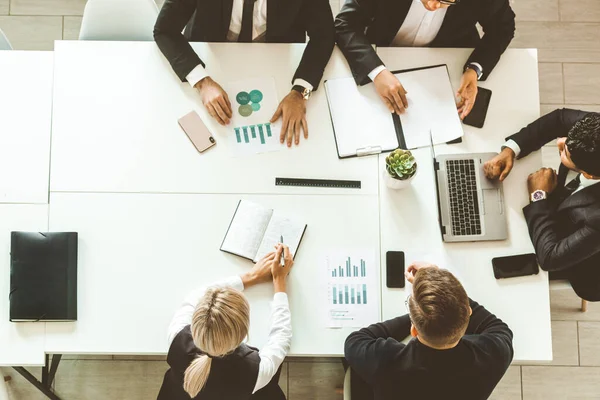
359 116
247 229
431 106
280 225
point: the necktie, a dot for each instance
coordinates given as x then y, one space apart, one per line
247 22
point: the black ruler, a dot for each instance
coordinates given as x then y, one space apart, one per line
324 183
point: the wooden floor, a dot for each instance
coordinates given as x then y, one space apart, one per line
567 33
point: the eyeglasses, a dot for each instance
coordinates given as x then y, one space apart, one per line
449 2
406 304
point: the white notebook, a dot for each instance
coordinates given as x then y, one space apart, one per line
362 123
255 231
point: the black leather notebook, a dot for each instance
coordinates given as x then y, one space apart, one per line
43 276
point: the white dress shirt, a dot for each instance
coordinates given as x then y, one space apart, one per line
259 30
419 29
584 182
280 337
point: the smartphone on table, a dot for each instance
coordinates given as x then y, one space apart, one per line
513 266
478 113
395 269
197 132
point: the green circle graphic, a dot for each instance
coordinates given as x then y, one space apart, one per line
245 110
243 98
255 106
256 96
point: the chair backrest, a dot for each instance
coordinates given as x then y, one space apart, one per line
347 386
119 20
4 43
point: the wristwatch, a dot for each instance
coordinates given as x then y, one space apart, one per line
475 68
538 195
305 92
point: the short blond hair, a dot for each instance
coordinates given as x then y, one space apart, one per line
439 306
220 323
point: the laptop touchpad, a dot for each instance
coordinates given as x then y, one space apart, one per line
491 201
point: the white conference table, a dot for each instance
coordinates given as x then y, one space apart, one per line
151 211
25 120
409 218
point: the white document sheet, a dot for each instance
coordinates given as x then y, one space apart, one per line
247 229
431 106
253 103
349 289
279 226
360 119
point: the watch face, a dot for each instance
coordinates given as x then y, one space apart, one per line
538 195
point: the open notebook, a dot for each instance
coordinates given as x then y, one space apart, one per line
363 125
255 231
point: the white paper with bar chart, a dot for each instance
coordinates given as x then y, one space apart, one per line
350 284
253 103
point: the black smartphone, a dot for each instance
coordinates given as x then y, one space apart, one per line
477 115
513 266
394 262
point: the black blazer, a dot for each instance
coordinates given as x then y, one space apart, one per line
390 370
565 231
362 23
288 21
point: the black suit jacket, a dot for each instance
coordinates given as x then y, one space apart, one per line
383 365
565 231
361 23
288 21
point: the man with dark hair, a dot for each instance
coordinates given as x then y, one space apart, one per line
423 23
248 21
563 221
458 350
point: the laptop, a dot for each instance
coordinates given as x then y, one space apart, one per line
471 207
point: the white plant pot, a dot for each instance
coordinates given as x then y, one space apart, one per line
396 184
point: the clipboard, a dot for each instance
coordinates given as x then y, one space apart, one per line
396 123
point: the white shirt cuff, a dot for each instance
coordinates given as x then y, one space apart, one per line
373 74
511 144
196 75
303 83
280 299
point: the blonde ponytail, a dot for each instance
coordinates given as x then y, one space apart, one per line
220 323
196 375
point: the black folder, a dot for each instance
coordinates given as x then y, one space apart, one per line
43 276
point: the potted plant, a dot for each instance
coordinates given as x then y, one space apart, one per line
400 168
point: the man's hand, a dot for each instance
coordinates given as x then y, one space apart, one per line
261 272
215 100
293 110
500 166
467 92
280 273
414 267
391 92
544 179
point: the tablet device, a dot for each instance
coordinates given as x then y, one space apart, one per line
513 266
477 115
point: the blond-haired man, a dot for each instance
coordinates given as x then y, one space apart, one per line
458 350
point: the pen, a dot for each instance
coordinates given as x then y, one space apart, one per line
282 260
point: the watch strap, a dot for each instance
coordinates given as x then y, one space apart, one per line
475 68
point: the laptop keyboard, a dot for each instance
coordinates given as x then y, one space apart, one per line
464 202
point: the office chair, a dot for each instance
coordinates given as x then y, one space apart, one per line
4 43
119 20
565 284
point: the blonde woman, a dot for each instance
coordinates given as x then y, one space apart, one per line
207 356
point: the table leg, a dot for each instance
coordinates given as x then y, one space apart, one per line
45 386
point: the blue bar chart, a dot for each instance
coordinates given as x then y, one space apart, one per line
350 270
